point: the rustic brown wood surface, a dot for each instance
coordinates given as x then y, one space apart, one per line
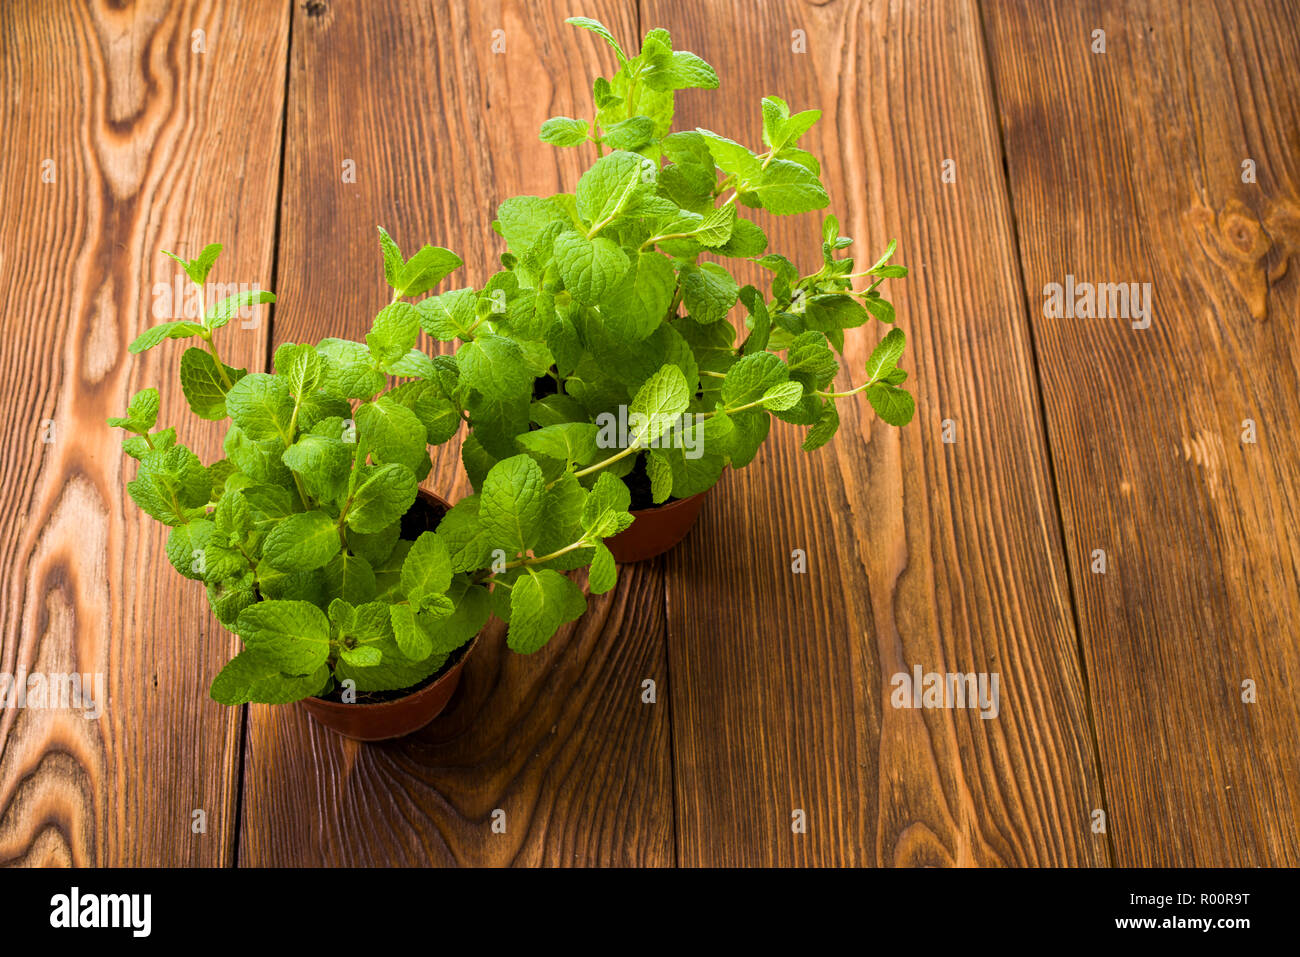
1127 166
121 139
919 552
300 126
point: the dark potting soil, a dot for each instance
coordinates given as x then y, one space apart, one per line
423 516
544 386
638 483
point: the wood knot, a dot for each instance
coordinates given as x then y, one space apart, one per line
1249 253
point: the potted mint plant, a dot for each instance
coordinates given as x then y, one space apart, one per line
603 346
351 589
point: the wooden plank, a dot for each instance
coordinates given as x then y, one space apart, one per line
1127 166
440 129
120 140
919 552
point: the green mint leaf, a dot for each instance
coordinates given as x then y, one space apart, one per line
293 636
450 315
394 672
572 443
414 365
494 366
393 332
383 495
392 433
831 312
351 578
782 396
413 640
322 462
300 365
461 530
141 414
349 370
426 573
259 459
609 186
889 252
605 512
659 403
511 505
882 309
202 383
563 131
604 573
708 292
598 28
228 598
810 355
138 448
261 406
827 424
393 259
494 423
302 542
540 602
796 126
894 405
317 407
377 546
660 471
473 608
362 656
886 355
186 544
751 377
759 322
522 219
562 522
715 229
233 516
221 312
168 330
637 305
199 267
787 188
249 678
170 484
775 113
633 133
733 158
687 71
423 271
589 268
439 415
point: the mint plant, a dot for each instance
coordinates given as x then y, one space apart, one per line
297 532
602 346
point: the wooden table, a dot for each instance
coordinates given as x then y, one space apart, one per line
1005 154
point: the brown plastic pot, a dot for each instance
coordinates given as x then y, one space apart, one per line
384 720
655 530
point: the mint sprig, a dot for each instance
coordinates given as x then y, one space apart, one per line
297 532
610 291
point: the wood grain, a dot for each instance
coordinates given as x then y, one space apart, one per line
440 130
1126 166
946 556
119 140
